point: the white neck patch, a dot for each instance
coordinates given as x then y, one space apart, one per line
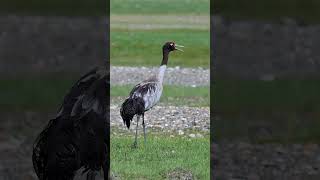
162 70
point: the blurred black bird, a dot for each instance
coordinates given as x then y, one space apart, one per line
146 94
78 137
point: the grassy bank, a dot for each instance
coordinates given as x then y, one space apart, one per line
143 48
231 97
160 7
159 157
173 95
139 28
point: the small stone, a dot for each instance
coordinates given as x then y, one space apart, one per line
192 135
180 132
199 135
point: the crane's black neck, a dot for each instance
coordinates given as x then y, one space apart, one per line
165 56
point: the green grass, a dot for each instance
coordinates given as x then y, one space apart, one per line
46 92
270 10
229 97
173 95
160 7
160 156
55 7
143 48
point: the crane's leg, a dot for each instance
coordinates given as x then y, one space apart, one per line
135 140
144 129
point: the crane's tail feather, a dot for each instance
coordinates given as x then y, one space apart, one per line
131 107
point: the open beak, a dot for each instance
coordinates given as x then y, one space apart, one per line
176 45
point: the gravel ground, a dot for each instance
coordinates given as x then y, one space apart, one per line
121 75
243 161
182 120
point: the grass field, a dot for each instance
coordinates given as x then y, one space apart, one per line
159 157
143 48
159 7
173 95
47 92
234 96
140 28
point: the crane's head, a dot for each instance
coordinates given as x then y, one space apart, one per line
171 46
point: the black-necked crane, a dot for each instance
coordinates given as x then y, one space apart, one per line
78 137
146 94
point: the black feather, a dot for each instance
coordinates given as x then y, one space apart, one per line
131 107
79 135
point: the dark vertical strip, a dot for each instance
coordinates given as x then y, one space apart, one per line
107 59
265 100
45 47
212 85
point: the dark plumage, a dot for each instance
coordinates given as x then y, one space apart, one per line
131 107
79 135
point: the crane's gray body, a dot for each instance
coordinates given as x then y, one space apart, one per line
150 90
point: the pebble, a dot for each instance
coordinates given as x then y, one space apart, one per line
180 132
199 135
160 118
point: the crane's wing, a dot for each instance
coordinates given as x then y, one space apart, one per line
40 152
76 91
143 87
90 117
84 96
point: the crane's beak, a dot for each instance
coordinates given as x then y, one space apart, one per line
176 45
